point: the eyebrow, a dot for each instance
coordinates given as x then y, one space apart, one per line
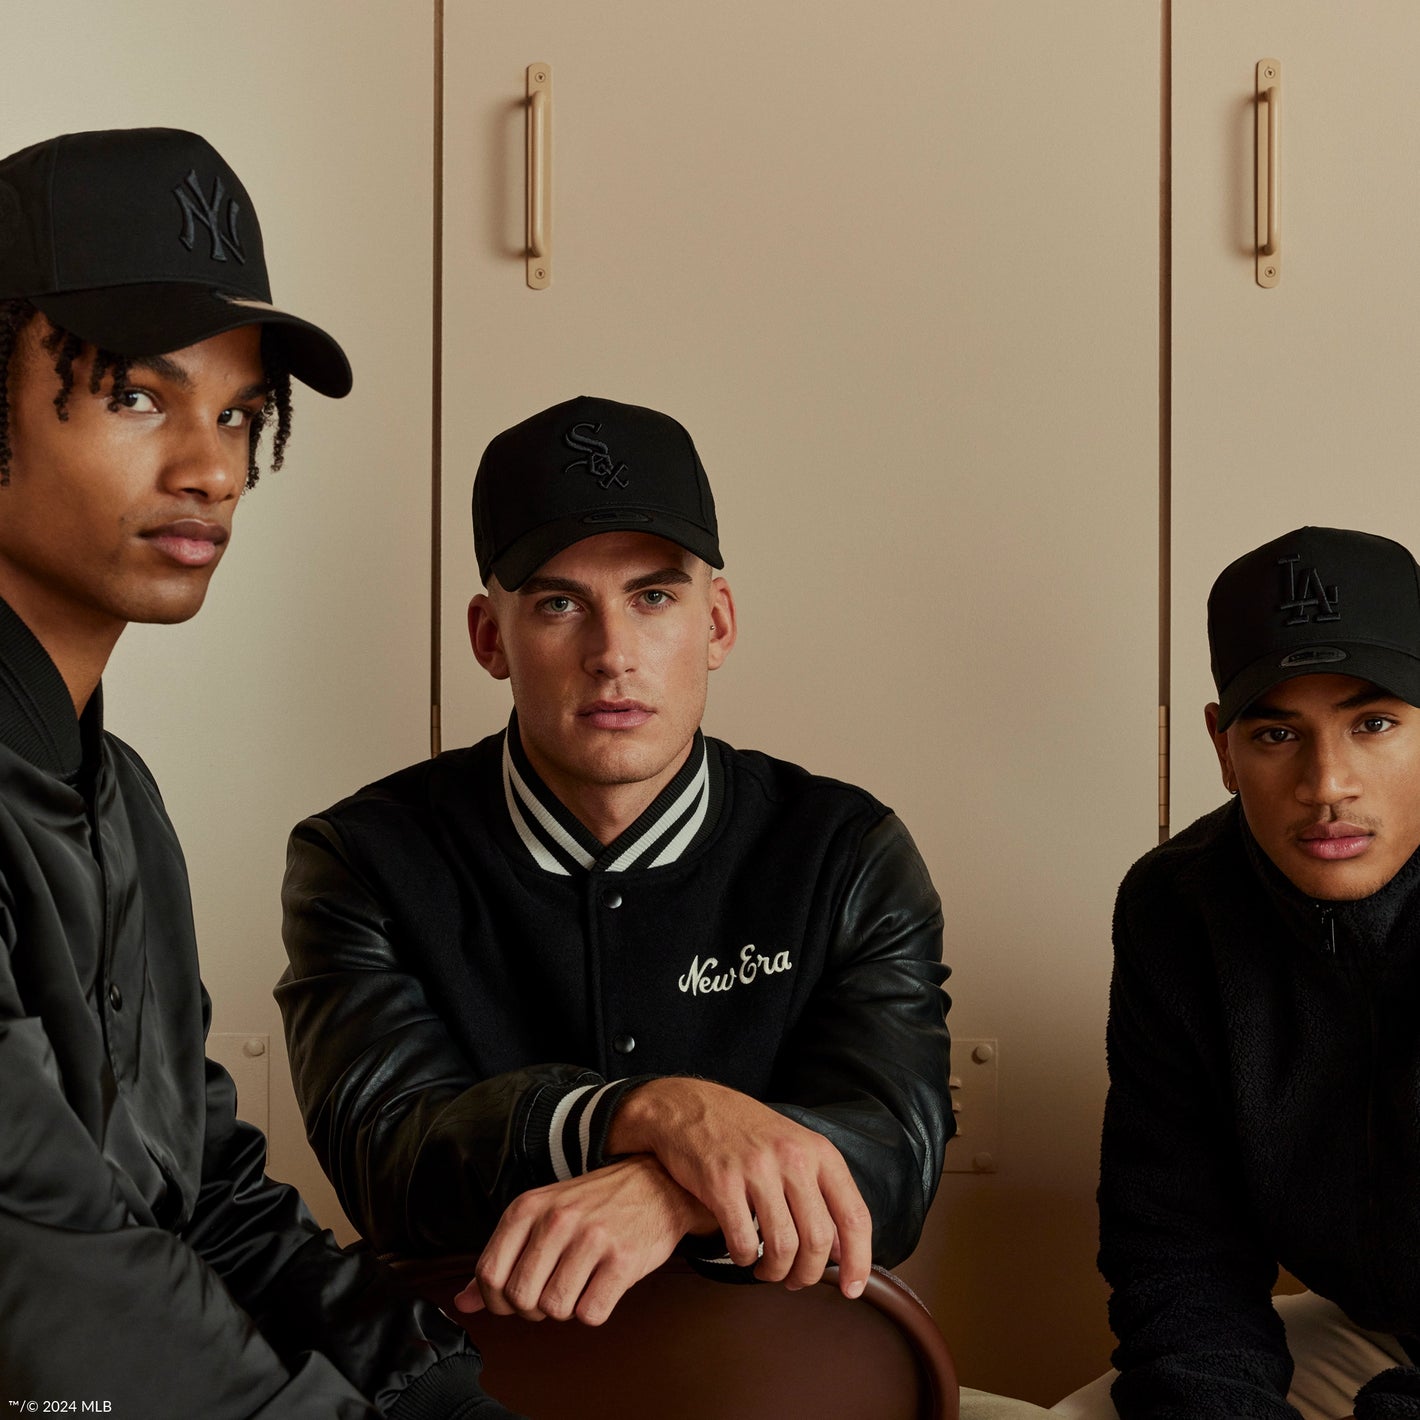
1261 711
170 370
667 576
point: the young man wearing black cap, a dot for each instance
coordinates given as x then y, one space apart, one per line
147 1268
600 987
1263 1051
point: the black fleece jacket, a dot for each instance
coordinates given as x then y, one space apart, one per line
1264 1107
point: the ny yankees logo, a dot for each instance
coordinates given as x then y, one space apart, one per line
599 462
196 208
1308 595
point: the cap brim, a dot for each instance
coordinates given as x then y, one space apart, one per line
160 317
1395 671
517 563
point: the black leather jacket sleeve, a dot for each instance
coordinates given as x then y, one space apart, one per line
868 1064
424 1156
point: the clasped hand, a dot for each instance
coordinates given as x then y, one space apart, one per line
700 1156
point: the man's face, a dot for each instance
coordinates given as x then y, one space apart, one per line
1328 770
608 647
121 512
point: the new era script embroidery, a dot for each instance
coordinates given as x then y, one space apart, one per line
221 226
706 976
599 462
1308 595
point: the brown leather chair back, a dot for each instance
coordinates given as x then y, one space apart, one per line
682 1347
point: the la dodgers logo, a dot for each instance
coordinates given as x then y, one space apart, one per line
1310 595
221 226
599 462
705 977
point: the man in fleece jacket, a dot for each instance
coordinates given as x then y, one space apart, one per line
1264 1055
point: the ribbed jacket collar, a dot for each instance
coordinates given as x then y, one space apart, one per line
679 818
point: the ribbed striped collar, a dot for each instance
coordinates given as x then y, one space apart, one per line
676 820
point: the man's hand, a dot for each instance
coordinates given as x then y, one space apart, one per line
747 1163
573 1248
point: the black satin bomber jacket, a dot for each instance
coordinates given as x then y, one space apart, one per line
146 1264
442 986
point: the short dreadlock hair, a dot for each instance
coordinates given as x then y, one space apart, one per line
16 313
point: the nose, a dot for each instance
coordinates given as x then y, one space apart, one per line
205 462
1328 774
610 645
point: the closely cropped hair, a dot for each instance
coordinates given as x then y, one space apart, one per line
16 313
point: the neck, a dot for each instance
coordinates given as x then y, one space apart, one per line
606 810
79 646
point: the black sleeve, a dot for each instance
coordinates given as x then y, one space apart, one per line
303 1292
97 1306
1179 1246
868 1064
424 1156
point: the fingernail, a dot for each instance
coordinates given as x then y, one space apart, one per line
855 1289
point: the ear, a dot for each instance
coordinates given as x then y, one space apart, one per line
485 638
723 627
1220 748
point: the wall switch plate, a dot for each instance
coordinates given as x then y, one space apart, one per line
973 1149
247 1059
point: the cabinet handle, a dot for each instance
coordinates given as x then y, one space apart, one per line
539 177
1268 218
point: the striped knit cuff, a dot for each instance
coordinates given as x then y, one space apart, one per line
567 1127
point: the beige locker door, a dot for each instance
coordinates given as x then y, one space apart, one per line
305 674
896 270
1294 404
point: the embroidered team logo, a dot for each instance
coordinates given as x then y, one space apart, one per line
221 223
1308 598
599 462
706 977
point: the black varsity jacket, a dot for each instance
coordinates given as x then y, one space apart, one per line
146 1265
1264 1107
474 984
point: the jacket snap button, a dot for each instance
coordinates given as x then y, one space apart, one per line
611 898
115 997
624 1044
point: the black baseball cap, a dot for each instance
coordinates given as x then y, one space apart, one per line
584 467
1314 601
142 241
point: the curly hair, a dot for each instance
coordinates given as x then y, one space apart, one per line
16 313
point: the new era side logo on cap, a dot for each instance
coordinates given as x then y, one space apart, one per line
599 462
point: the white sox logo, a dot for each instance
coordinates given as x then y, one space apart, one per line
221 226
705 976
1310 595
599 462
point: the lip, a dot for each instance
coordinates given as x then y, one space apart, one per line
1334 842
190 542
615 714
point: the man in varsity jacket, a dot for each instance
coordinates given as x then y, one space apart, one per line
599 987
1264 1101
148 1270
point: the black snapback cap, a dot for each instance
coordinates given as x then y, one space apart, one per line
142 241
584 467
1316 600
